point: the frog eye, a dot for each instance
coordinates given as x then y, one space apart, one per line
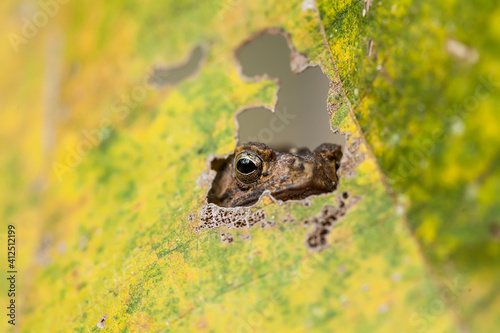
247 167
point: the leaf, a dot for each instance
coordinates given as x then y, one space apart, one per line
106 209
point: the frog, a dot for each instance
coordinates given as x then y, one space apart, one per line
254 168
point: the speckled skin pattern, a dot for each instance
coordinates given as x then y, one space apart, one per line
287 176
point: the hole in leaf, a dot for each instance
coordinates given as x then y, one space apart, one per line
300 117
299 151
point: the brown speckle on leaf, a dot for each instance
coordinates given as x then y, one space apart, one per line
369 51
288 219
213 216
102 322
495 231
351 158
368 4
245 237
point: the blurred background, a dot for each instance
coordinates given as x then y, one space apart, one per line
111 110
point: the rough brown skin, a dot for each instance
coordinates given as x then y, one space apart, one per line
287 176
